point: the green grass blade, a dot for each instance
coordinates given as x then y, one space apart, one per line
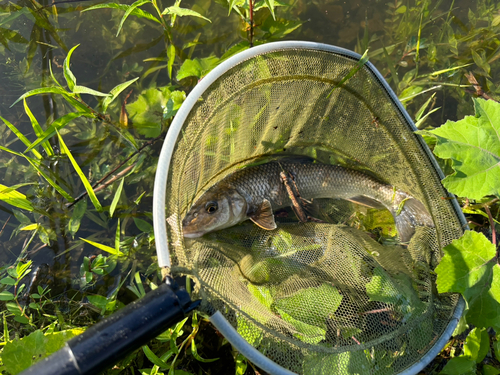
68 74
115 91
362 61
43 90
438 72
15 198
58 124
102 247
53 76
38 129
171 59
117 238
21 137
80 173
138 3
116 198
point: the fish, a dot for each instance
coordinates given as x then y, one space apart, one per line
255 192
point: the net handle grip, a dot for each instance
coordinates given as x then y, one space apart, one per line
103 344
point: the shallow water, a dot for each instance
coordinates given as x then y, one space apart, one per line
38 38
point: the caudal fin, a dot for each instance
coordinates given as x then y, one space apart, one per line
409 213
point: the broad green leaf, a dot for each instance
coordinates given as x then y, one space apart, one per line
459 366
197 67
22 218
277 30
146 112
76 216
6 296
43 90
108 249
85 90
129 10
68 74
15 198
464 263
484 308
311 306
183 12
173 104
135 12
143 225
8 281
80 173
116 198
473 145
477 344
490 370
115 91
21 137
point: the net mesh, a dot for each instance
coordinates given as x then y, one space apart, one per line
342 296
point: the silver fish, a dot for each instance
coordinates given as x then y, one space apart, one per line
255 192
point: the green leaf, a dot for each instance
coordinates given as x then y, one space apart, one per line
490 370
6 296
464 263
154 358
76 216
68 74
312 305
175 10
496 348
194 352
85 90
15 198
362 61
270 5
38 129
108 249
171 58
8 281
57 124
115 91
473 145
143 225
197 67
116 198
78 170
468 267
21 137
136 12
146 112
459 366
43 90
129 10
477 344
173 104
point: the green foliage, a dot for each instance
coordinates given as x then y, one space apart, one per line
20 354
473 145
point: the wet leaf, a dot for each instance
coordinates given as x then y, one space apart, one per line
143 225
15 198
115 91
116 198
181 12
197 67
105 248
473 145
147 111
76 217
477 344
68 74
83 178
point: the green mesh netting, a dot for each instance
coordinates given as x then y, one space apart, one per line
316 298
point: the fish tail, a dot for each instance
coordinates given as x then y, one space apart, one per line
409 213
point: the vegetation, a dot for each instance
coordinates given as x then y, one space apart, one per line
78 159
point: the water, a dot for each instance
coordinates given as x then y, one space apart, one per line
42 35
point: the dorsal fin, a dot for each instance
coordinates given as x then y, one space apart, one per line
264 217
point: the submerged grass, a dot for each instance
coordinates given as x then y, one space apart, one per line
151 55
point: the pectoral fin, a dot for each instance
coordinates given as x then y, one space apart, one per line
264 217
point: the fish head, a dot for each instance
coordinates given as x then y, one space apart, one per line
218 208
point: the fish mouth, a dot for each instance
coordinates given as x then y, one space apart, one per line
193 234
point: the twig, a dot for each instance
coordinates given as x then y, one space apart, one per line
84 194
6 221
294 196
479 90
250 2
492 224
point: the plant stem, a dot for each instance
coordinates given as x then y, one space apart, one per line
250 3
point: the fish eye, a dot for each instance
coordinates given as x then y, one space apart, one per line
211 207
